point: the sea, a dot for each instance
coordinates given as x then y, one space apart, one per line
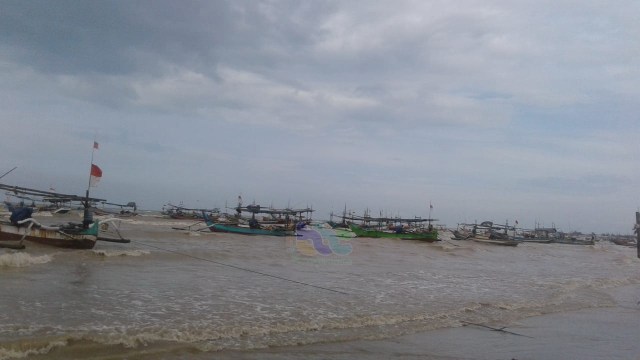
179 291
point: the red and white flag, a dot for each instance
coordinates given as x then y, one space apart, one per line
96 175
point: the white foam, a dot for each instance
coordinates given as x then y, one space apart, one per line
6 354
110 253
21 259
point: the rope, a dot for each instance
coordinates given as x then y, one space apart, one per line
240 268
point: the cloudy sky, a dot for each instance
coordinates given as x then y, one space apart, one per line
490 110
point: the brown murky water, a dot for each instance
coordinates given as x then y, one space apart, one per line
175 294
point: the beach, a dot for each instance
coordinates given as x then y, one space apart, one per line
184 294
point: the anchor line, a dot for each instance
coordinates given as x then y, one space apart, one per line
240 268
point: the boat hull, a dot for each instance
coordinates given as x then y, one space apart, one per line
247 231
84 239
233 229
496 241
429 236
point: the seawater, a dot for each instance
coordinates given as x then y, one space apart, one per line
181 294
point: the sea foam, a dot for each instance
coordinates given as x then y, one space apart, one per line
21 259
110 253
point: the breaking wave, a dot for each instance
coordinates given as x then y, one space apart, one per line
21 259
111 253
205 336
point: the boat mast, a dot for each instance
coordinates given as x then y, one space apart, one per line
87 216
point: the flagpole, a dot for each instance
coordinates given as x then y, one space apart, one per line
88 217
93 150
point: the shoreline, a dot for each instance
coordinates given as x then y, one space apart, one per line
592 333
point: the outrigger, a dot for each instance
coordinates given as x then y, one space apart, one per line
22 226
281 222
391 227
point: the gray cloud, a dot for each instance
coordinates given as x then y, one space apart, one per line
382 104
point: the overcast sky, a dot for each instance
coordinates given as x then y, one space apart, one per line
490 110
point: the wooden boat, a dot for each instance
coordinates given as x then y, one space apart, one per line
236 229
488 233
574 241
179 212
21 226
280 223
387 227
503 242
426 235
70 235
67 236
125 210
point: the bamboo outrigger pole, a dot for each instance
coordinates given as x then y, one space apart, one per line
637 229
7 173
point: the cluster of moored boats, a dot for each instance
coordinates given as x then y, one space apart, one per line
288 222
488 232
252 220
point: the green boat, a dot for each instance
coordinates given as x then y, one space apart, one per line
247 230
253 229
427 235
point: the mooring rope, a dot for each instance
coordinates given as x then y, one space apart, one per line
239 268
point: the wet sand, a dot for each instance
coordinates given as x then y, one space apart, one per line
598 333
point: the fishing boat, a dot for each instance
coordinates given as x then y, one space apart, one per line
21 226
390 227
488 233
425 235
279 222
247 230
126 210
572 239
66 236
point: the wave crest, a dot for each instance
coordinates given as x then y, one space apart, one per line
21 259
111 253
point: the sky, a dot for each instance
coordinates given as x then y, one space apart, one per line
488 110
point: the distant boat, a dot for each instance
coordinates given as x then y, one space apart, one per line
387 227
488 233
574 241
426 235
253 228
503 242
